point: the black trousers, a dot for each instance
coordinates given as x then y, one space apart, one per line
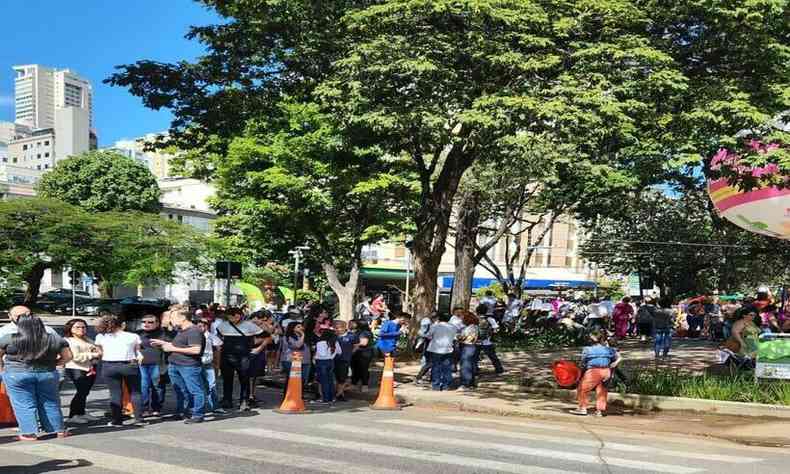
360 367
115 374
232 365
83 383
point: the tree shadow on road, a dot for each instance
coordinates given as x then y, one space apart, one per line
46 466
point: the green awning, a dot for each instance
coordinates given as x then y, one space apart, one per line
384 274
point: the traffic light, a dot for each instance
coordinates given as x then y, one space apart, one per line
225 270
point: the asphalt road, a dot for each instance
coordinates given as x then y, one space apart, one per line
352 439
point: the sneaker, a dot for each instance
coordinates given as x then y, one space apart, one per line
600 414
156 413
579 411
113 424
220 411
363 389
193 421
228 405
140 423
252 403
340 398
462 389
318 402
417 381
244 406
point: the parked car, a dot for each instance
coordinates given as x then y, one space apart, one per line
65 293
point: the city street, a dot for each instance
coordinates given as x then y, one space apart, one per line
351 438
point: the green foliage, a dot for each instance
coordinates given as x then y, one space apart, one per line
270 274
496 288
646 235
102 181
677 383
549 339
123 248
295 179
307 296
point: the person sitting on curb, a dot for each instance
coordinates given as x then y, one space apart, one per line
598 362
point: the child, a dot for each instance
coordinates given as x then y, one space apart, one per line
348 342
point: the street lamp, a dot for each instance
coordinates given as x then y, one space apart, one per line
297 253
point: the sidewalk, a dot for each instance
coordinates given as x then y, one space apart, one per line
518 393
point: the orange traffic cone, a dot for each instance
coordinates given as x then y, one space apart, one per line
386 399
293 403
126 400
6 411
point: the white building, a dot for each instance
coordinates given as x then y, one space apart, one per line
72 132
40 90
10 131
157 162
36 151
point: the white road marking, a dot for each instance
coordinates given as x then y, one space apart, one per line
565 427
261 455
631 448
419 455
563 455
51 450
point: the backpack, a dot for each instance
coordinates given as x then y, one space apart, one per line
484 329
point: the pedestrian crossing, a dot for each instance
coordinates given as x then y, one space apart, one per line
364 442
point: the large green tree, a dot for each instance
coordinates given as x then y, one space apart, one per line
679 241
101 181
294 180
436 83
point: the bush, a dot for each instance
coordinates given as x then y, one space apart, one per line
554 338
677 383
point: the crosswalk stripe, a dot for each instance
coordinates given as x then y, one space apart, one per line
419 455
575 428
523 450
261 455
101 459
631 448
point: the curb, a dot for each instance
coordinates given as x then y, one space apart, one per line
660 403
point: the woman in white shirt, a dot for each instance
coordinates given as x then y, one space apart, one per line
120 364
326 350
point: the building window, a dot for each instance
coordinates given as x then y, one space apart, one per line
46 155
38 167
400 251
5 160
24 147
170 216
38 156
13 160
180 219
46 142
46 166
568 262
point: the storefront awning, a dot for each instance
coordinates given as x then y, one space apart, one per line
532 284
384 274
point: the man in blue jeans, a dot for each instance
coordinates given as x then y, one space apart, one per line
185 370
153 391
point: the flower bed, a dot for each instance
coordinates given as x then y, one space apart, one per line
676 383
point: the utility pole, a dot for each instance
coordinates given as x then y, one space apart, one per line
409 244
297 253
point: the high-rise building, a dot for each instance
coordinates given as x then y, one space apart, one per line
40 90
157 162
11 131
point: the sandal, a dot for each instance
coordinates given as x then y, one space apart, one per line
63 434
24 437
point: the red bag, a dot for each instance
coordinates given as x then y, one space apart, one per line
566 373
6 412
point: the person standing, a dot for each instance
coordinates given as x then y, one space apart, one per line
512 310
13 314
294 341
81 368
378 308
422 346
469 352
348 341
598 361
236 355
185 367
151 368
644 319
326 349
663 325
621 315
487 327
29 358
390 333
489 300
121 359
442 337
362 357
208 361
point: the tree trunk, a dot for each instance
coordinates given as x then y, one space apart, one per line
467 228
345 292
106 290
426 274
33 280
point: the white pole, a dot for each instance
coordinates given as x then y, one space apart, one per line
73 294
296 273
407 302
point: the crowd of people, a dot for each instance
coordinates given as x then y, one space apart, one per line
186 352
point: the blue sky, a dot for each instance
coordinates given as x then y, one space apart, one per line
91 37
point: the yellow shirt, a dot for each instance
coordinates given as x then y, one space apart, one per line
82 357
